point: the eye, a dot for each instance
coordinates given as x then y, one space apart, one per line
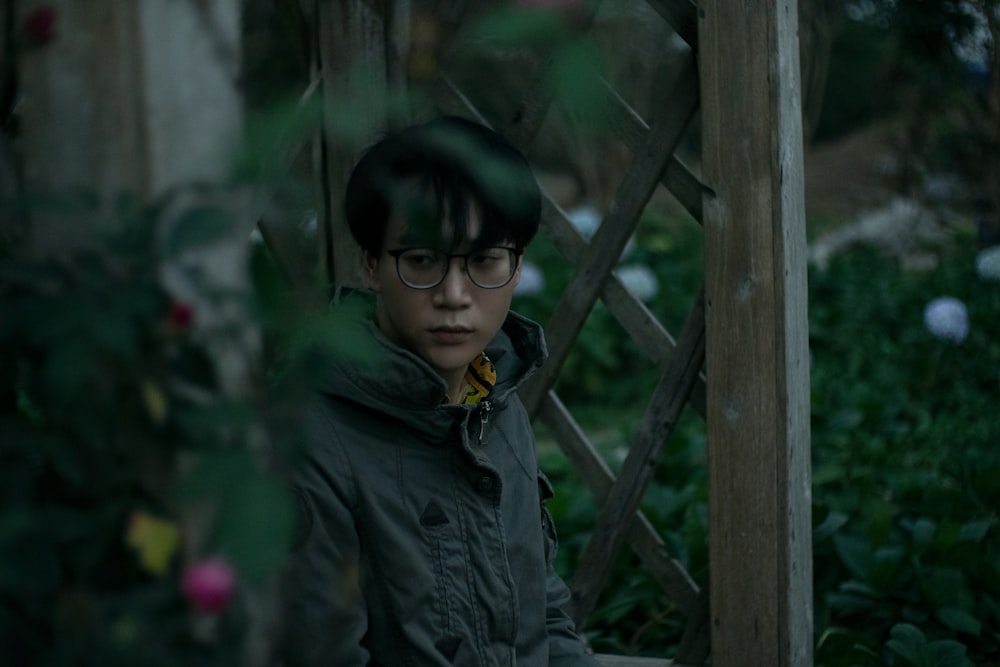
420 258
487 257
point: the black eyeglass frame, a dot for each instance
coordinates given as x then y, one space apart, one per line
515 253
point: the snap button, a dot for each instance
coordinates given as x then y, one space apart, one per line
485 485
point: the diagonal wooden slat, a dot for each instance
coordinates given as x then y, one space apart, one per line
523 124
696 641
658 424
666 570
639 180
682 15
629 126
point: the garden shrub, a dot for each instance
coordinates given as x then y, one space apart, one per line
906 470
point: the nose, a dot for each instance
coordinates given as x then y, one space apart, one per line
454 290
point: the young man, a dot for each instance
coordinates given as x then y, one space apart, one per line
425 538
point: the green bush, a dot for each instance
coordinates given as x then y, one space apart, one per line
906 470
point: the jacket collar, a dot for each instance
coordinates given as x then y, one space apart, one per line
362 366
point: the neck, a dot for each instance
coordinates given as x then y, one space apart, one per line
454 387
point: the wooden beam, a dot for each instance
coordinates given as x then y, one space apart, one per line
632 130
682 17
757 335
357 60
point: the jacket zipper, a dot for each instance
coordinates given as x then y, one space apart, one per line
484 417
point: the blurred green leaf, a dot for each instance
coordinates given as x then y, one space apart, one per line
256 526
976 531
69 369
575 78
958 619
856 554
833 522
197 227
947 653
909 643
512 27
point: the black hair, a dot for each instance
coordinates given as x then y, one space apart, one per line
440 168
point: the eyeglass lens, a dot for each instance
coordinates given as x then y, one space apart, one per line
426 267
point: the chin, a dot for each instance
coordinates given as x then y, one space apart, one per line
452 359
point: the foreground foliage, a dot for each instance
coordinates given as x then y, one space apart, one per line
126 472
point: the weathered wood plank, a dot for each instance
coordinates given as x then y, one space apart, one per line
355 64
623 501
667 571
757 365
625 122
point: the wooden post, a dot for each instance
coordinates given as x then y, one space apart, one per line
361 51
757 335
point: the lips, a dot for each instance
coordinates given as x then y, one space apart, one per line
451 334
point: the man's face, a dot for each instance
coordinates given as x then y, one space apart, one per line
447 325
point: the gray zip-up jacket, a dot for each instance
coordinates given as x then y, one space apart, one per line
425 537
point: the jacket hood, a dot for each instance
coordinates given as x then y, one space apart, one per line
363 367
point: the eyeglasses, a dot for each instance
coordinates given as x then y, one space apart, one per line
424 268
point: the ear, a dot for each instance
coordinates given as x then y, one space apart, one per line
370 264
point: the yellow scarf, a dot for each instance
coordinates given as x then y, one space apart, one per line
479 380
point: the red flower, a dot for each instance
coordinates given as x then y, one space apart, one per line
209 584
39 26
181 315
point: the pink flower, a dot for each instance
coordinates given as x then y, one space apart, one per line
39 26
209 584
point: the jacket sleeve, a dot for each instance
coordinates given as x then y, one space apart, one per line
566 647
325 617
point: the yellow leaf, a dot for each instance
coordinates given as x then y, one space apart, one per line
154 539
156 402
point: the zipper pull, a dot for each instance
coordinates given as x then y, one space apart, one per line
484 416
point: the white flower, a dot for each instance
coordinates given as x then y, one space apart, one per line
947 318
639 280
532 281
988 264
587 219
